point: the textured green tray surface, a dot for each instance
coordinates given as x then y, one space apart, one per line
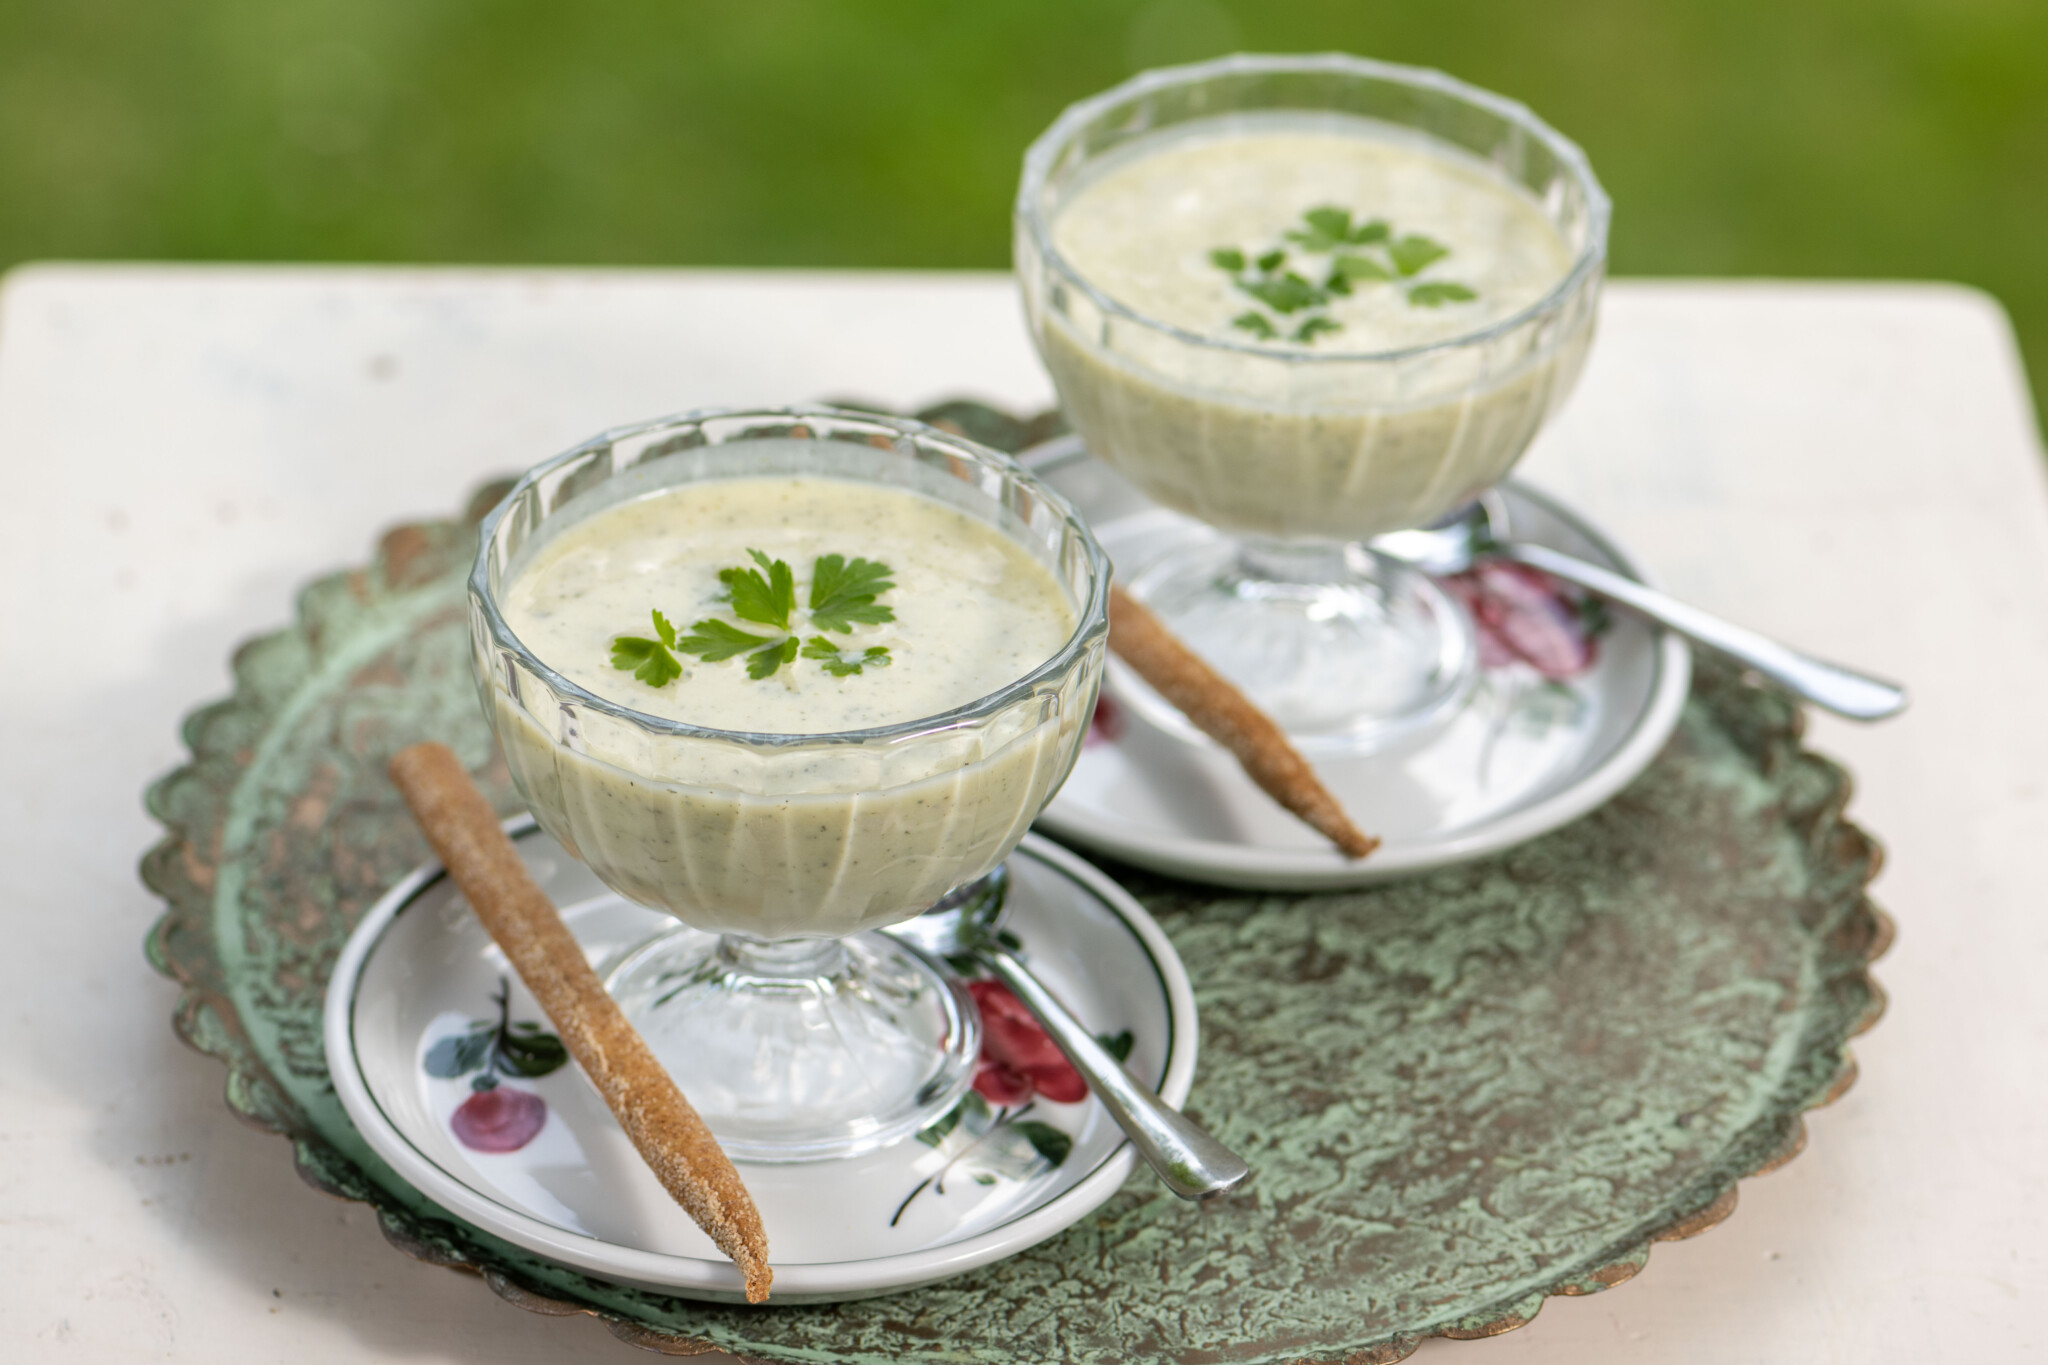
1461 1092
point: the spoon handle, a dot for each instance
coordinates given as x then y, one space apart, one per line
1841 690
1193 1164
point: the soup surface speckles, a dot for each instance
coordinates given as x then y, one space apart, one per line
973 610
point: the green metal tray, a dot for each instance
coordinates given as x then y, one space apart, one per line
1462 1092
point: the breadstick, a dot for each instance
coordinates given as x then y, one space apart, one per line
1227 716
675 1142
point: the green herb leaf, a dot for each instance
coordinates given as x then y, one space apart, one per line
778 574
1328 228
1256 324
762 662
1355 267
713 640
1287 293
1329 220
840 664
1048 1141
1437 293
843 591
1118 1047
768 600
1413 252
649 660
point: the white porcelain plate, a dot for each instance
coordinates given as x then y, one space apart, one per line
1531 749
413 1009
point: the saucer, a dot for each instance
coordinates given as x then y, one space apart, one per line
517 1142
1530 750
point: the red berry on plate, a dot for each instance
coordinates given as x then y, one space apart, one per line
499 1120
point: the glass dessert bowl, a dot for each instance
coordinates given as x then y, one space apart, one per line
1307 301
783 811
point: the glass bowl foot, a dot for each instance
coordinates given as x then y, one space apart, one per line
802 1049
1347 651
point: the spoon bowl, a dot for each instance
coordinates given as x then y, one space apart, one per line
1479 531
1453 542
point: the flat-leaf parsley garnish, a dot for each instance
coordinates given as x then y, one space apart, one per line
1436 293
1360 251
843 591
714 641
842 663
650 660
843 595
754 598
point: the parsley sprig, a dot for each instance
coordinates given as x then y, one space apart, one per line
1359 252
844 591
841 662
652 661
843 594
768 600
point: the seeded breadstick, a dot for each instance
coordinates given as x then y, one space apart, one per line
683 1154
1227 716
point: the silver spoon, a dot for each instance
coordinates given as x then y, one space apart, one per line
1478 531
964 924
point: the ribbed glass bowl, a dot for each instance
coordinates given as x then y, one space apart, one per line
1298 452
997 759
1308 441
796 1032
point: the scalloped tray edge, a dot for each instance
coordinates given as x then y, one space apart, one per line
177 869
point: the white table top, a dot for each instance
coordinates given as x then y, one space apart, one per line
1853 468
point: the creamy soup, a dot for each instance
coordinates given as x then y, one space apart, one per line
1211 229
973 610
1146 231
817 839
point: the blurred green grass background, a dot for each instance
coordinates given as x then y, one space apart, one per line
1837 138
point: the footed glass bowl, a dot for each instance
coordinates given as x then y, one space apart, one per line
1297 451
796 1032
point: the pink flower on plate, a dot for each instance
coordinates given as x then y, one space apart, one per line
1018 1059
1524 615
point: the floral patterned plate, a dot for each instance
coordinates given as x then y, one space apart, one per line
449 1070
1571 704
